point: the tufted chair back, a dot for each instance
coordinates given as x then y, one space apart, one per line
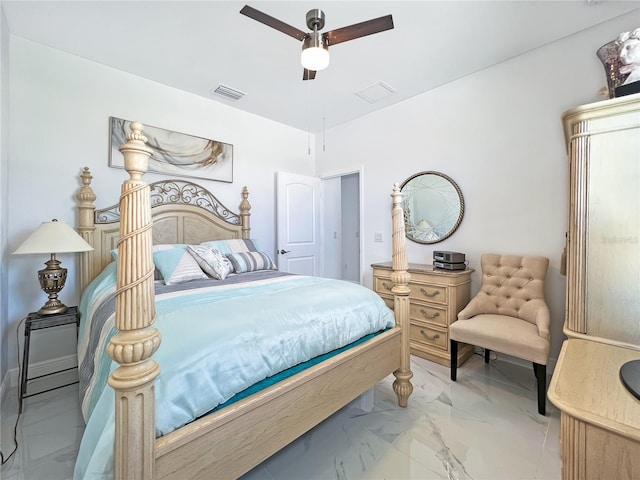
508 315
513 286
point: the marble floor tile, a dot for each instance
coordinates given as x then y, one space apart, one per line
484 426
49 434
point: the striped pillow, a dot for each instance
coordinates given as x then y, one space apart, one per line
176 264
250 261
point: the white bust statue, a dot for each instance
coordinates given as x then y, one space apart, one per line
629 55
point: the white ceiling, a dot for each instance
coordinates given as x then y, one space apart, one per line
197 45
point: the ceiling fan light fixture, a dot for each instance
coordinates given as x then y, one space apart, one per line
315 53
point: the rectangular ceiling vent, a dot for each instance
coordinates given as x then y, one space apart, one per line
376 92
228 92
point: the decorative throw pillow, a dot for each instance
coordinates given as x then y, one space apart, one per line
214 263
233 245
176 264
250 261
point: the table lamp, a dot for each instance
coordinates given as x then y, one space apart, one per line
53 237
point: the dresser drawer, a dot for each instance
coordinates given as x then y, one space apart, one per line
429 313
382 285
428 293
431 337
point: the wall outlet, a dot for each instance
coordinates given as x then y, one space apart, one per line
377 237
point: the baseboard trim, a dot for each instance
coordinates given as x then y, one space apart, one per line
551 364
38 369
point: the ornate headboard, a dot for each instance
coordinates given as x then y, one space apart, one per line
182 212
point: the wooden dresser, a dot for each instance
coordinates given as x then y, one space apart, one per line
436 298
600 419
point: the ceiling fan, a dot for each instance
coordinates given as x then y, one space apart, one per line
315 46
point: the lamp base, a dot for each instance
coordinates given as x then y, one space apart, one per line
52 280
51 308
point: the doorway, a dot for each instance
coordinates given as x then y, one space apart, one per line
341 227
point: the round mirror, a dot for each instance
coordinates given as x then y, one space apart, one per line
433 207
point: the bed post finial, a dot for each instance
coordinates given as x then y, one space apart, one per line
400 278
245 213
135 151
136 340
86 226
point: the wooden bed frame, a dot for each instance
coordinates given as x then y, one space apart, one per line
229 442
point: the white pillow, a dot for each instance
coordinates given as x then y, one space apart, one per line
214 263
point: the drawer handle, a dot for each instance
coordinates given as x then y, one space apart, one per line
386 285
427 294
426 315
435 337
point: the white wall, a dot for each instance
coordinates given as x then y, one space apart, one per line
59 112
332 227
350 213
498 134
4 181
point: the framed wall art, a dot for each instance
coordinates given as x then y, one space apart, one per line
175 153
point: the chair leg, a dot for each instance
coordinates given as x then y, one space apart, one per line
541 376
487 354
454 359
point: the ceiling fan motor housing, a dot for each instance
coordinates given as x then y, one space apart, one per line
315 19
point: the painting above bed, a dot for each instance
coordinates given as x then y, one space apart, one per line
176 153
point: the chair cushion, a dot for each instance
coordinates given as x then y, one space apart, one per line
509 335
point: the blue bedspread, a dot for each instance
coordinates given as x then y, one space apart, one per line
218 339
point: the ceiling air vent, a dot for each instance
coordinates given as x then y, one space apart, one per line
376 92
228 92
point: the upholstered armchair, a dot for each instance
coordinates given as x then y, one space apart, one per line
508 315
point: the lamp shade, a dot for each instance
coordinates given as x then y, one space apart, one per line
315 54
53 237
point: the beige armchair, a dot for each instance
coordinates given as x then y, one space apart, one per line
508 315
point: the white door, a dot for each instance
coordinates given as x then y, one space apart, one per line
298 241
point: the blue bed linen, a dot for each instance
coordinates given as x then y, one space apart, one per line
290 372
220 340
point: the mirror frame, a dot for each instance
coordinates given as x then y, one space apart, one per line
460 215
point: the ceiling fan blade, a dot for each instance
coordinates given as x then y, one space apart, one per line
358 30
308 74
273 22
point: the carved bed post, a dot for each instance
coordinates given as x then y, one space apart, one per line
245 213
86 226
400 278
136 341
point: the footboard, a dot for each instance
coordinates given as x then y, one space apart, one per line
229 443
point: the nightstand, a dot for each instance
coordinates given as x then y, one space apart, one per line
35 321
